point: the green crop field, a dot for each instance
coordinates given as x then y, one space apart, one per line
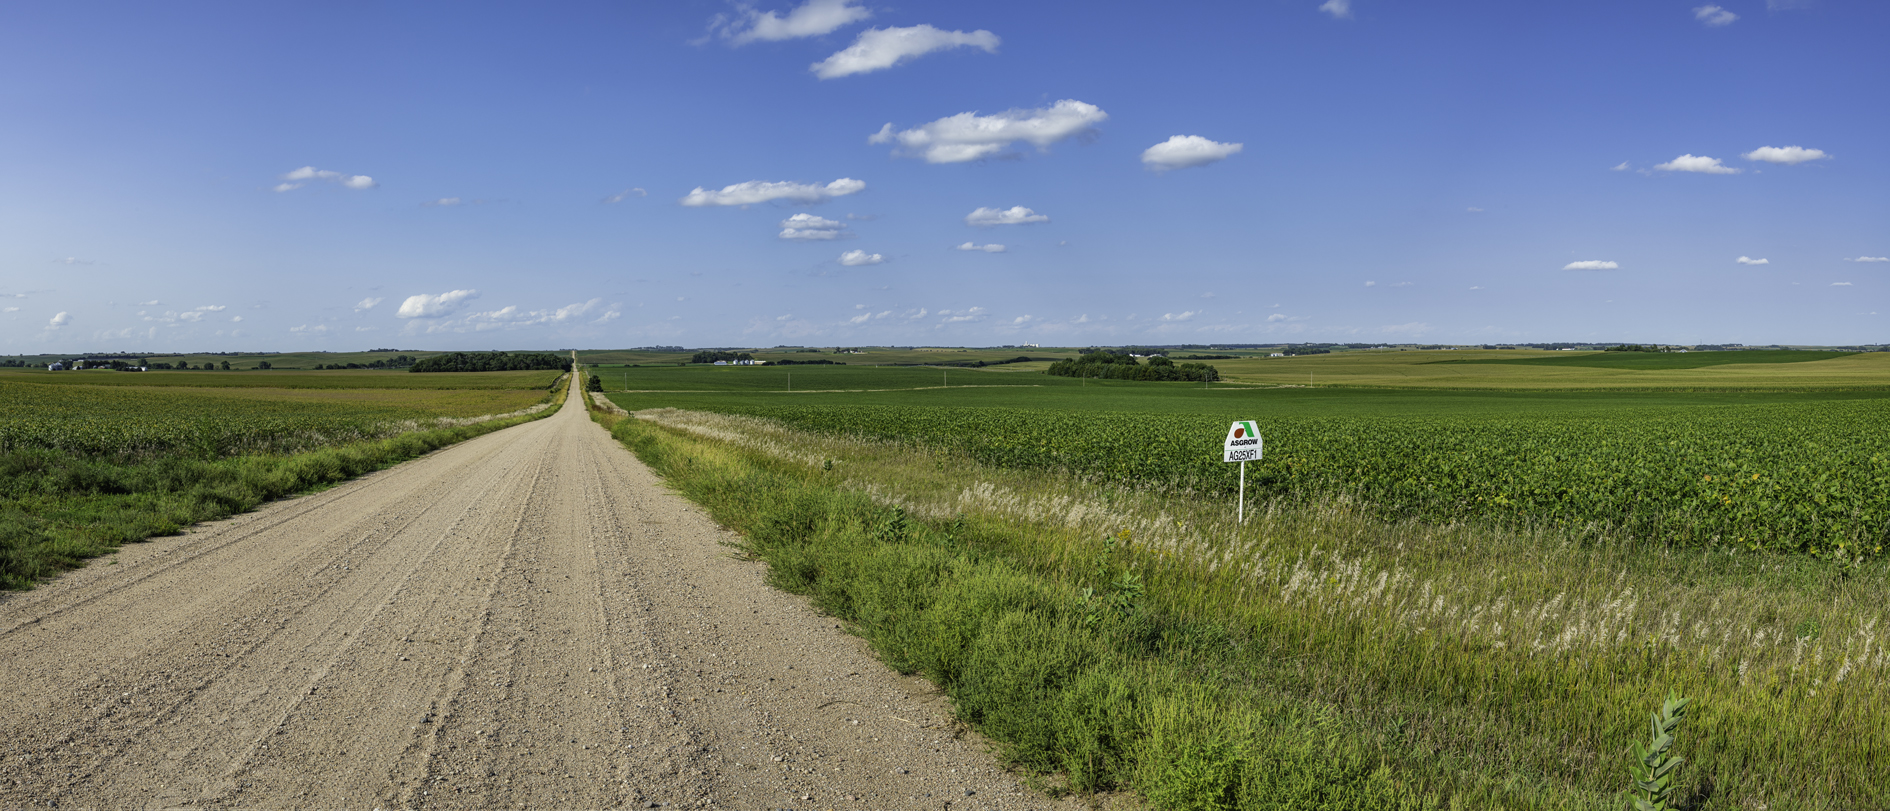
1776 469
1536 369
91 459
278 379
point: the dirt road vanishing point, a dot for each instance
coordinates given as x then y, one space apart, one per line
523 620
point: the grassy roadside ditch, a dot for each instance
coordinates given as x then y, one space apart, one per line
1295 673
59 509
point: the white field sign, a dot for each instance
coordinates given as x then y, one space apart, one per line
1243 445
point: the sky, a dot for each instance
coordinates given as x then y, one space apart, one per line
284 176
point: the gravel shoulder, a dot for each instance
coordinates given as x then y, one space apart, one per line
526 619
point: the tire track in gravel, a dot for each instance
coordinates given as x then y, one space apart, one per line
526 619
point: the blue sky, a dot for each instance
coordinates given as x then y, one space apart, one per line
346 175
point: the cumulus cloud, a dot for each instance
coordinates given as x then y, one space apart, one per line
442 202
810 19
367 303
969 136
1785 154
1183 151
1870 259
300 177
1714 16
761 191
882 48
1371 284
626 194
318 329
857 258
1621 167
1592 264
803 227
429 306
9 309
1697 163
1840 284
990 248
1747 260
1183 316
60 320
1339 9
1015 215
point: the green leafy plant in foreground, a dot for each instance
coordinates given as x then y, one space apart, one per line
1653 768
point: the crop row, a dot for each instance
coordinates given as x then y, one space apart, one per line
1811 477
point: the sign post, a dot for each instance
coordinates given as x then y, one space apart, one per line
1243 445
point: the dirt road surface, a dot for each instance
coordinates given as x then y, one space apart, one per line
524 620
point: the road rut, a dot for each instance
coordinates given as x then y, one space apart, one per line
526 619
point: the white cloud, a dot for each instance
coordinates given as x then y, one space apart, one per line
1622 167
803 227
511 317
1474 210
314 330
1476 287
425 306
1785 154
151 303
59 320
1840 284
1021 320
73 260
300 177
1870 259
1786 5
810 19
236 319
1277 317
191 315
367 303
1183 151
1184 316
857 258
881 48
442 202
759 191
1747 260
973 314
213 308
811 221
990 248
1015 215
1339 9
1714 16
1371 284
1592 264
969 136
1699 163
626 193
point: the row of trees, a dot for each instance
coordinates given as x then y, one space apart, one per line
711 357
491 362
1106 365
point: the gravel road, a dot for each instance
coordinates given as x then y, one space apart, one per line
524 620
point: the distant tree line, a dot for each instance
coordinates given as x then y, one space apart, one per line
813 362
490 362
1106 365
1636 348
711 356
970 364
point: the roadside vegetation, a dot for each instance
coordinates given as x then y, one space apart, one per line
1117 630
86 468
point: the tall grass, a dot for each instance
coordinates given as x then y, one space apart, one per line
1413 664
